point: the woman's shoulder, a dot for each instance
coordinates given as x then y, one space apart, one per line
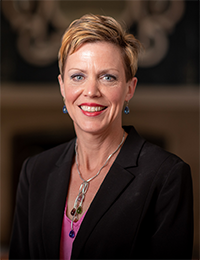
164 167
58 150
152 156
156 167
53 156
158 154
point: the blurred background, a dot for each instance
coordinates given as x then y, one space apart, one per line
165 108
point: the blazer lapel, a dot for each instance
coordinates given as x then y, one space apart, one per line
119 177
55 199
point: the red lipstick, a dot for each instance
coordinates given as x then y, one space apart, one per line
92 109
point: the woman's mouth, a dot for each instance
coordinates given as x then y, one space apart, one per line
92 108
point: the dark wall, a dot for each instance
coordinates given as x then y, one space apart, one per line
179 66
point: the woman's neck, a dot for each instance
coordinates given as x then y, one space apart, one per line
93 150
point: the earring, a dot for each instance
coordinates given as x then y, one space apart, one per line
126 109
64 108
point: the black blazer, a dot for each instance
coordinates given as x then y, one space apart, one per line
143 209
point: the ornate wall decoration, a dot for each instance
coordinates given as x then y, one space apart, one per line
155 20
40 24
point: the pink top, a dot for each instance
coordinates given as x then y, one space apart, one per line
66 242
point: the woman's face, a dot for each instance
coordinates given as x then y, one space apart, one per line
95 88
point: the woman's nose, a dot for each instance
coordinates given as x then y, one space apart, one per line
91 88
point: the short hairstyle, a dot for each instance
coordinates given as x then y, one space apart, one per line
93 28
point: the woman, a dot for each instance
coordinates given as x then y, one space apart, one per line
107 194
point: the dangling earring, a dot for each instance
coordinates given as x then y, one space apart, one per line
64 108
126 109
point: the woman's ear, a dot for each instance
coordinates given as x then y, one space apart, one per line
131 86
61 83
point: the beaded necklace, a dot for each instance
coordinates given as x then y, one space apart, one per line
77 209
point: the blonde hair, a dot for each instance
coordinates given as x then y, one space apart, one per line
92 28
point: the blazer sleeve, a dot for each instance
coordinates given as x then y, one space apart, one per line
19 246
172 236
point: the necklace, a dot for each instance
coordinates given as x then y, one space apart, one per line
77 209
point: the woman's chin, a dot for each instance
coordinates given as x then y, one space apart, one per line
92 128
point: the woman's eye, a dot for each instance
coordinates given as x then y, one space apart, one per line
77 77
109 78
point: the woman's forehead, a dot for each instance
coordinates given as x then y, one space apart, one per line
101 50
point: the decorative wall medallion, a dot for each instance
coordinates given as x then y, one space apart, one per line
155 20
41 24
